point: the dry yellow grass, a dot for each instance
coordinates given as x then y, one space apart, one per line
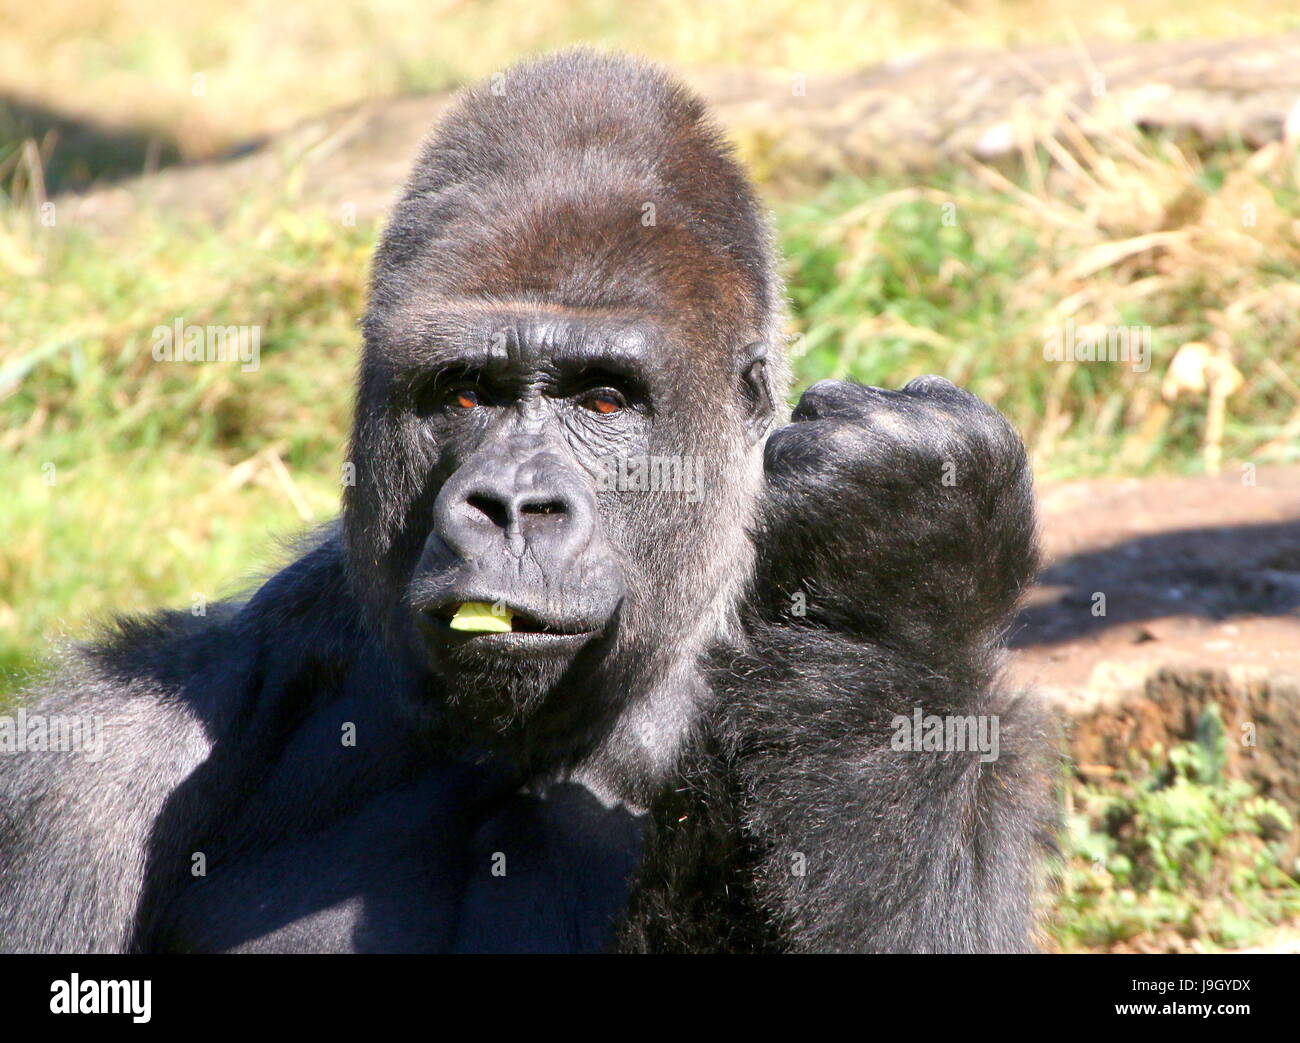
263 64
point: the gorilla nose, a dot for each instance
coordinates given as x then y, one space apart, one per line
538 503
521 511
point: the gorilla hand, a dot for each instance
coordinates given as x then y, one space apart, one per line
904 517
897 532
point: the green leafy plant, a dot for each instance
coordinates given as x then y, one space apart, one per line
1176 851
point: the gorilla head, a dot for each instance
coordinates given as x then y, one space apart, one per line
571 361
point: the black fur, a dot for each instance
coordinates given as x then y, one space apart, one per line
685 743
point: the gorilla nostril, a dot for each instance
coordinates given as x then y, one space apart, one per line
492 508
503 512
544 507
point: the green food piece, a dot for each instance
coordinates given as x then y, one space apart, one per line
479 617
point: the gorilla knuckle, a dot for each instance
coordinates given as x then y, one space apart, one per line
930 383
830 398
944 394
959 421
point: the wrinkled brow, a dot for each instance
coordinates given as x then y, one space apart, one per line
500 336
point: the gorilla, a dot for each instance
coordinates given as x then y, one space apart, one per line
607 651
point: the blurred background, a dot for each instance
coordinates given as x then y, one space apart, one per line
988 189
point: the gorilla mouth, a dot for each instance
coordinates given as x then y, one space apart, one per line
523 625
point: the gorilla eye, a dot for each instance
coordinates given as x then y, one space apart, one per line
604 401
467 398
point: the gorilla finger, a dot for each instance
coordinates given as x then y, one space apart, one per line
835 451
795 450
836 398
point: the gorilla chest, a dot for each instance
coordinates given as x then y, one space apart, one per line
414 871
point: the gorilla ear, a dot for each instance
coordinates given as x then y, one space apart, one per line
758 393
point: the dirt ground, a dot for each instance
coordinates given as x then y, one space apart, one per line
1203 569
1160 595
1201 581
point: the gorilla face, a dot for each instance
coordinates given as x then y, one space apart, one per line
566 383
570 483
522 411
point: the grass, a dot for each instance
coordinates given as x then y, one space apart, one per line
1174 851
195 78
134 483
1139 236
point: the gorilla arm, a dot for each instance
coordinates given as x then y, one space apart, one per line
76 826
897 537
94 844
